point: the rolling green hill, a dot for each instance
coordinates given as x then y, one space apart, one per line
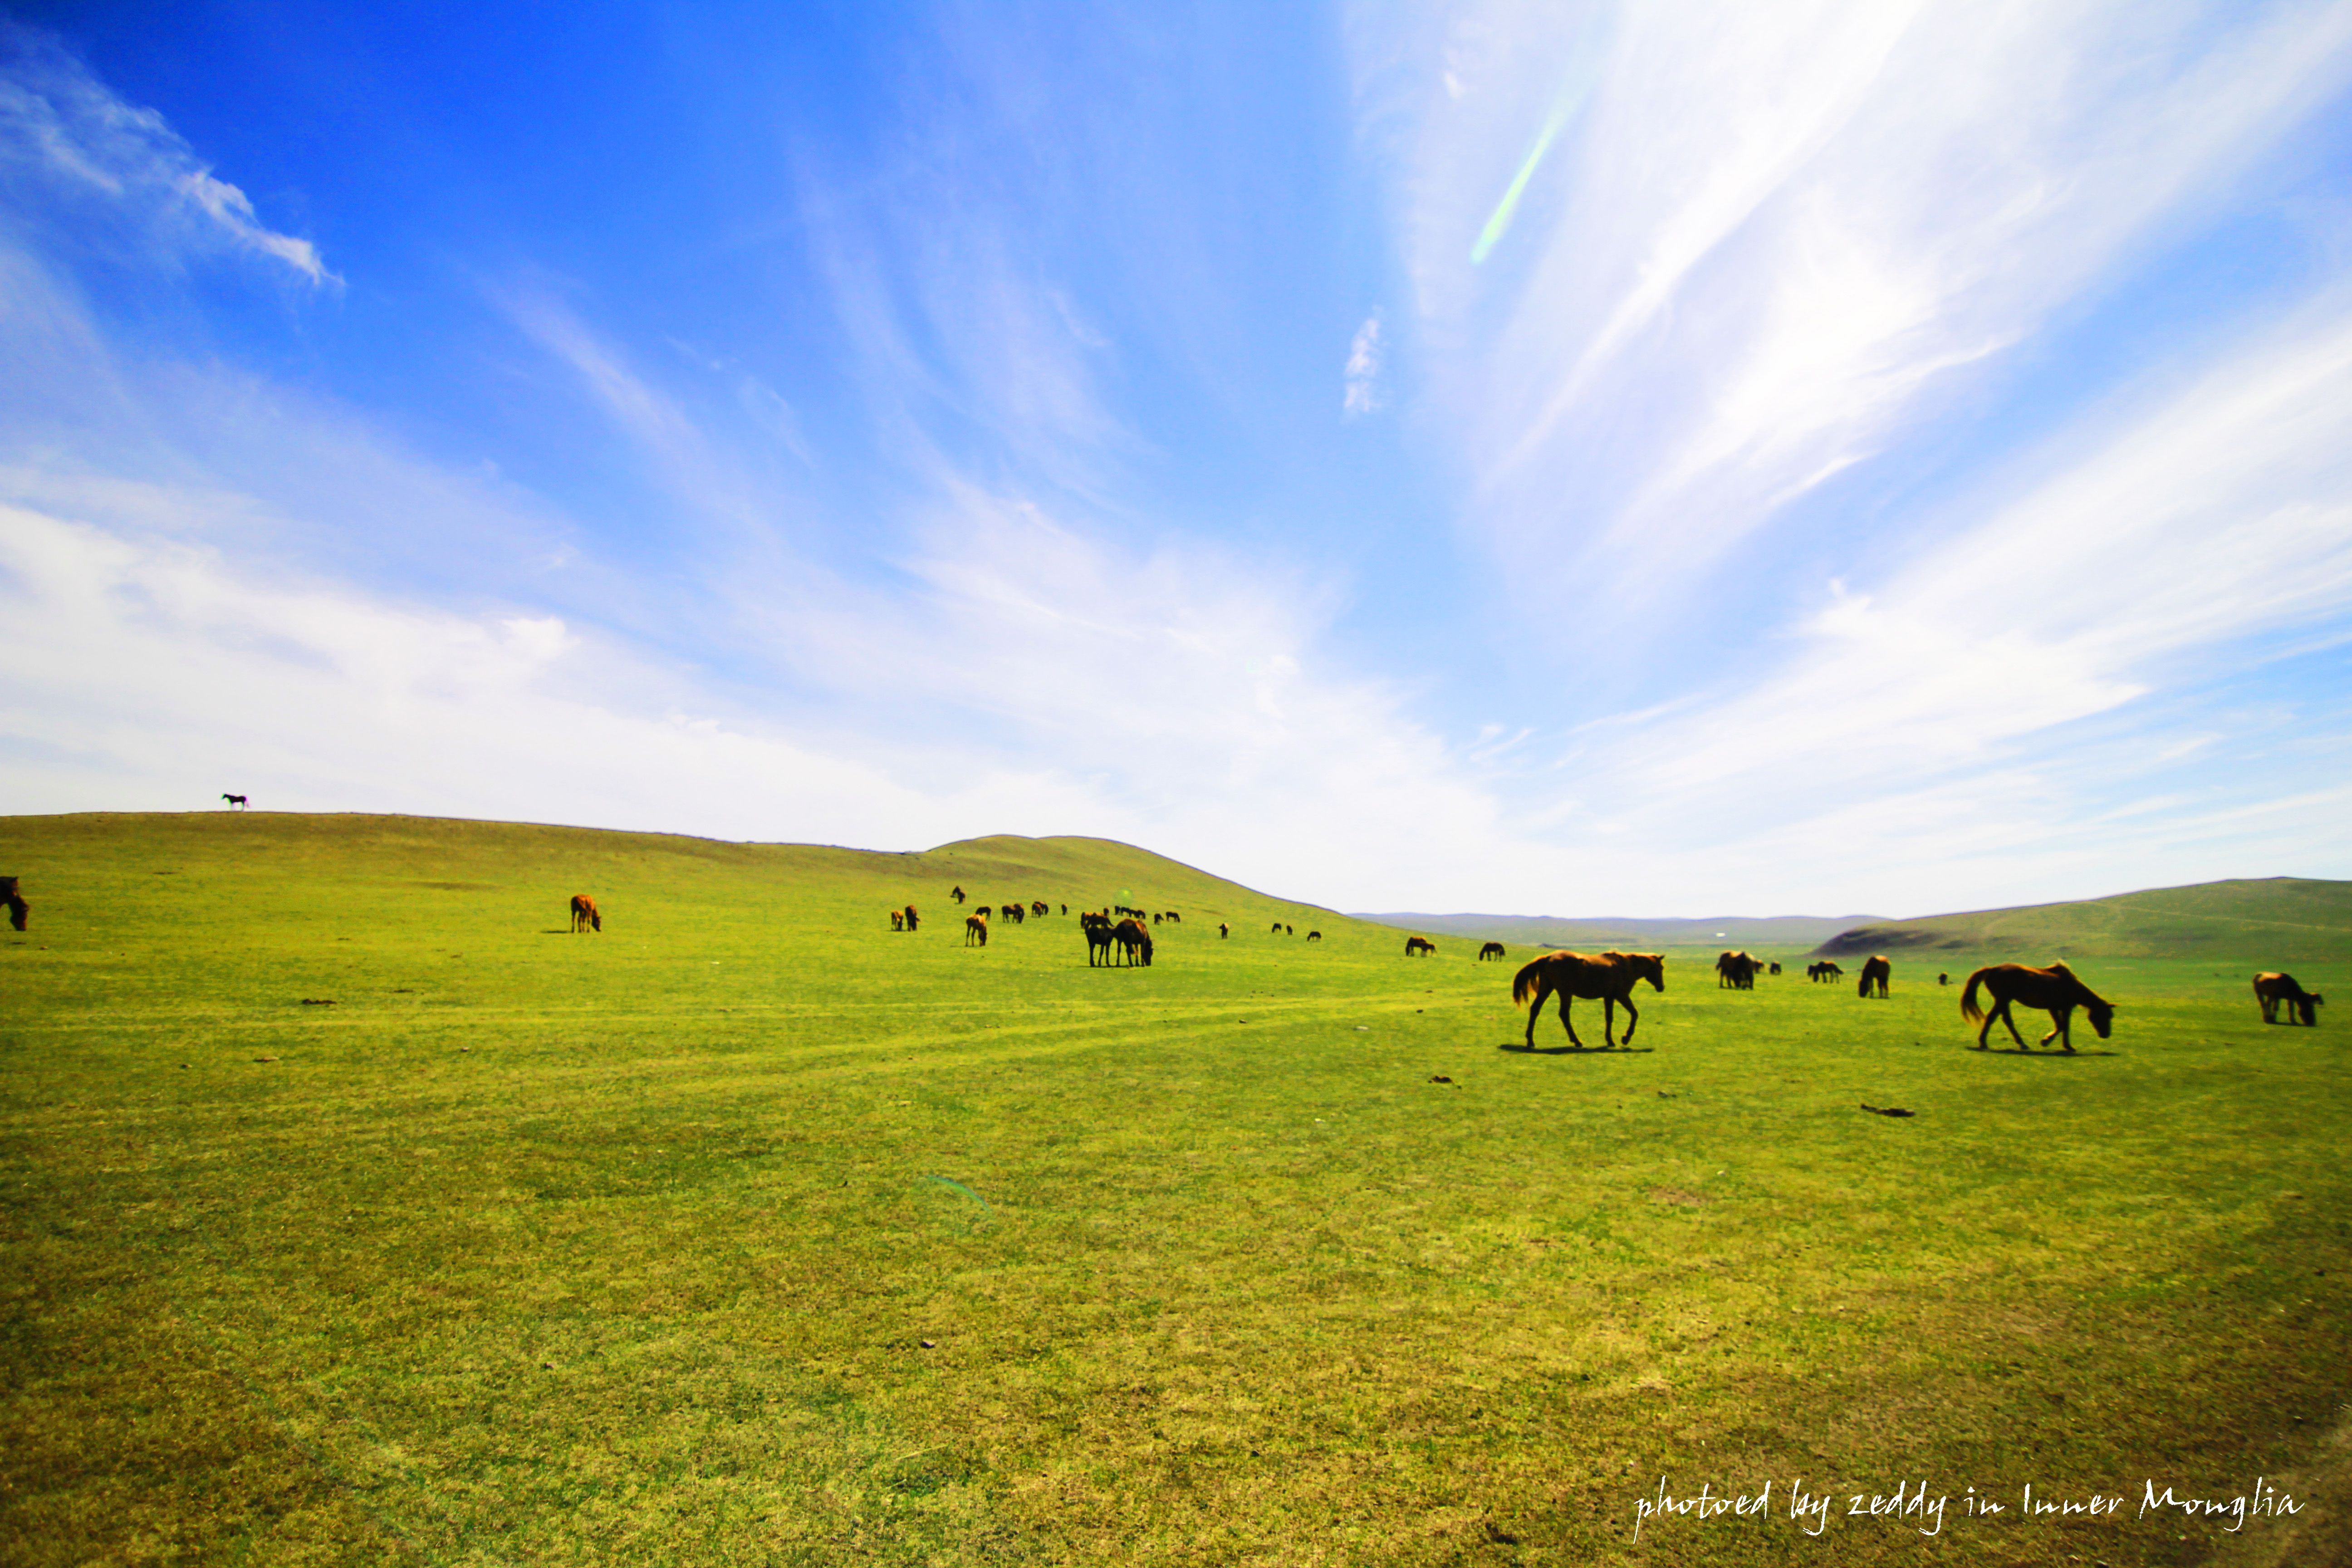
2267 922
401 868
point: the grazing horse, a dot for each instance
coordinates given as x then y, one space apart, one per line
1415 946
956 893
1134 942
1943 980
584 914
2271 988
1175 917
1607 975
238 803
1041 909
1824 970
1278 928
1736 970
1776 968
19 909
1315 936
1492 950
1098 941
976 930
897 920
2054 990
1874 976
1224 930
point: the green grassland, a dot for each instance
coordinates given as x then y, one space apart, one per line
354 1210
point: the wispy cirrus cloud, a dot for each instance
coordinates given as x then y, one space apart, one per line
1769 240
62 129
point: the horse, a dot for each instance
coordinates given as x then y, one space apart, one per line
1776 968
1492 950
1098 941
1134 941
913 920
1415 946
976 930
1224 930
1175 917
1041 909
897 920
1735 970
1315 936
1875 974
1824 972
956 893
1943 980
1609 976
19 909
2271 988
238 803
1278 928
584 914
2054 990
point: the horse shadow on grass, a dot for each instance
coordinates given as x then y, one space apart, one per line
1522 1048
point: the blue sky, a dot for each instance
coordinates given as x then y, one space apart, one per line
1584 460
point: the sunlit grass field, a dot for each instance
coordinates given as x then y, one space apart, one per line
355 1211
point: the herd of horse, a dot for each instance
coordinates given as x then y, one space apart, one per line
1608 978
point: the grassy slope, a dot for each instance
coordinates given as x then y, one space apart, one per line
751 1232
2267 923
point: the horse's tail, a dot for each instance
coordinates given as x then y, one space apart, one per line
1530 980
1969 1008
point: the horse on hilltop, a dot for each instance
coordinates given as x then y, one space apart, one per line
1610 976
2055 991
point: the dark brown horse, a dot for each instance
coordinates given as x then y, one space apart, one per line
2271 988
236 802
584 914
19 909
1607 975
1492 950
914 921
1874 976
1415 946
1134 942
1736 970
2054 990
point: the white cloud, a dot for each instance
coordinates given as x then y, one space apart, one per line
1363 377
61 127
1775 234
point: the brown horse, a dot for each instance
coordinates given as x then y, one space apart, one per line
976 930
236 802
2054 990
19 909
1134 942
1874 976
1315 936
1736 970
897 920
1492 950
2271 988
584 914
914 921
1608 975
1415 946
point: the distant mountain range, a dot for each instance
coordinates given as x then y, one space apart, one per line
1634 935
2271 920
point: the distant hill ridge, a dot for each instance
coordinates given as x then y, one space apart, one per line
2273 921
2269 920
1636 935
